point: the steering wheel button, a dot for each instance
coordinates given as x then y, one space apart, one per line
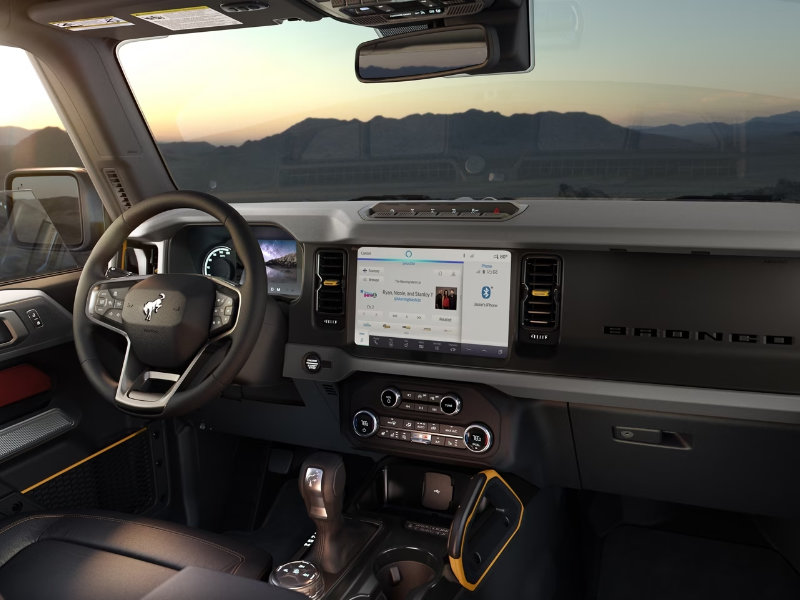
228 311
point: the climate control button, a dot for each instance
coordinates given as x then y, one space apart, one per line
390 397
365 424
478 438
450 404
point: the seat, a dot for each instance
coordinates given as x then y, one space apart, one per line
106 556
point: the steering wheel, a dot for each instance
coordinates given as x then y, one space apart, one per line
188 335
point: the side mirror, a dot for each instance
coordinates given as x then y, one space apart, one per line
426 54
64 198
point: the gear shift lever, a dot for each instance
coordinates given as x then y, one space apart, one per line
322 479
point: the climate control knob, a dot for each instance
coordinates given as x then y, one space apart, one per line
478 438
450 404
365 424
390 397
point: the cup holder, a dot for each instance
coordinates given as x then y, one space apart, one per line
406 573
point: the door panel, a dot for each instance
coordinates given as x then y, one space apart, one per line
52 420
35 322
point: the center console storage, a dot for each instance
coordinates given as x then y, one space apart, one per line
415 503
406 573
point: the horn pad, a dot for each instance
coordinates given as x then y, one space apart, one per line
168 317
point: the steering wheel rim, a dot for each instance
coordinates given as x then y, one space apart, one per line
240 338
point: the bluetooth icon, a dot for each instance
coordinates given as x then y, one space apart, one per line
486 292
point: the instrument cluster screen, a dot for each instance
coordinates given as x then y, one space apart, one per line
280 261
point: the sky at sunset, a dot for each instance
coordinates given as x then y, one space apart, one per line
636 63
24 101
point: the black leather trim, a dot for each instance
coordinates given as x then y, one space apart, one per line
33 546
200 584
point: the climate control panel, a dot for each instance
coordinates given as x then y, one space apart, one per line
421 402
409 417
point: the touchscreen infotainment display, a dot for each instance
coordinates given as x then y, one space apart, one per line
434 300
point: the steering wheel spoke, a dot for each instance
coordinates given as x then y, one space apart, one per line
145 388
225 315
106 300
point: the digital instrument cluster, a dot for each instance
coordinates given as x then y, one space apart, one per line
280 262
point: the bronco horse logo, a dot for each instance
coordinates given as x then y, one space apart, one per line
150 308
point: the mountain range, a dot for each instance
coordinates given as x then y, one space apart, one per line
477 138
23 148
287 261
725 135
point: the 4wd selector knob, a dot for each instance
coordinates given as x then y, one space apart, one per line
450 404
477 438
390 397
365 424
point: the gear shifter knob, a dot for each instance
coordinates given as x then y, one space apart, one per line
322 480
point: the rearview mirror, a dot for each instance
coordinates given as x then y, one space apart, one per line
426 54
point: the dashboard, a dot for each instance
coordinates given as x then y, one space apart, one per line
550 342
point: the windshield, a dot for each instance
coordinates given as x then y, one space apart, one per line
651 99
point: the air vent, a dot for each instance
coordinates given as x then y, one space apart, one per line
331 390
461 10
118 188
541 300
331 272
376 20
